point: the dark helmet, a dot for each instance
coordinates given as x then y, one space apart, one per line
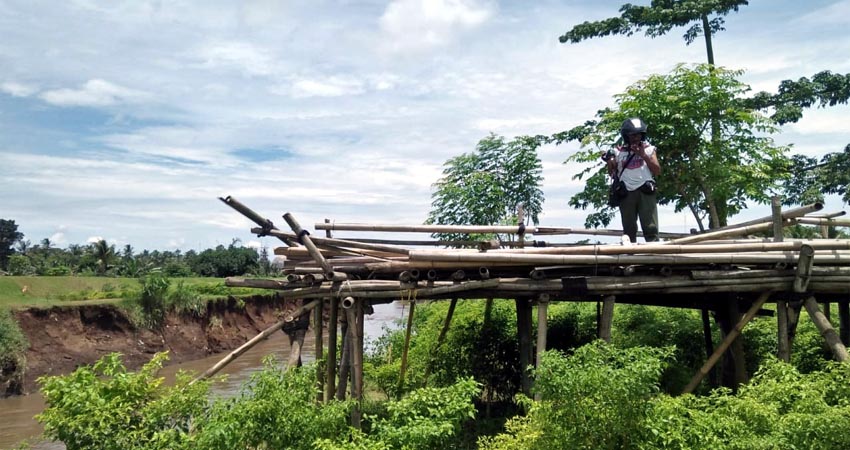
631 126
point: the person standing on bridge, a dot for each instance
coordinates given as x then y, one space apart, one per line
635 163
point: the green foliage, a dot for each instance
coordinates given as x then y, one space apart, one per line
659 18
823 89
813 179
596 398
106 407
19 265
13 343
276 409
152 300
779 408
224 261
486 187
710 178
427 418
9 234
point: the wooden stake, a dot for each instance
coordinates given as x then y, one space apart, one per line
784 343
727 341
523 315
542 329
344 360
318 334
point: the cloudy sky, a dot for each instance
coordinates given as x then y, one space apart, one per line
126 120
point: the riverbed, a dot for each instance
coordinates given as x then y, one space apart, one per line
16 413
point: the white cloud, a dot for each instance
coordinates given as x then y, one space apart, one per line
834 14
17 89
420 24
94 239
329 87
94 92
242 56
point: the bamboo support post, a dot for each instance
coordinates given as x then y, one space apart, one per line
318 334
844 321
255 340
355 328
407 332
523 313
344 360
296 343
727 341
778 221
330 366
826 330
606 318
804 269
709 344
784 343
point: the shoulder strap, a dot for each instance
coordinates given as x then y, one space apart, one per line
628 160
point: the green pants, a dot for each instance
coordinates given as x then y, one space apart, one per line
638 205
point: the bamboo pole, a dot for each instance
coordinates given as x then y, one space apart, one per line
789 214
418 257
778 224
523 317
679 249
804 269
727 341
822 221
709 343
407 332
255 340
296 343
606 319
784 343
318 334
355 327
844 321
330 375
722 233
266 224
304 237
341 243
344 360
826 330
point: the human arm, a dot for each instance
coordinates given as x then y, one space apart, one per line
651 159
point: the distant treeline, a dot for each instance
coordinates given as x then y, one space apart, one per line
19 256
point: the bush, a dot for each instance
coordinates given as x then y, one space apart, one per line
152 300
13 344
596 398
106 407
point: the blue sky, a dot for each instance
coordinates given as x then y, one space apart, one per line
127 120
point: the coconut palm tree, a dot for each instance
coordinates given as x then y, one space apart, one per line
104 254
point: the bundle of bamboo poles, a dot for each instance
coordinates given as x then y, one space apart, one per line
382 270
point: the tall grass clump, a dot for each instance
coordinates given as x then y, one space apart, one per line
13 345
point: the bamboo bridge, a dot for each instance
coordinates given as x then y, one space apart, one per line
721 272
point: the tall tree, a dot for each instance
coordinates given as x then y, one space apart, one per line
710 181
659 18
486 187
9 234
104 254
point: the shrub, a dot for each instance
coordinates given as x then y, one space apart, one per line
152 297
13 344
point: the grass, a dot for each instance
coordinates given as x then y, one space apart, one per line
52 291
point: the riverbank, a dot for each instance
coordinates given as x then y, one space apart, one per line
62 338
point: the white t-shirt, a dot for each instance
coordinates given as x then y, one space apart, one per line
637 173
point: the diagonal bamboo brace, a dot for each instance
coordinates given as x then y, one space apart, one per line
304 309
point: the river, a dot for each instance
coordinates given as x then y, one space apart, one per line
16 413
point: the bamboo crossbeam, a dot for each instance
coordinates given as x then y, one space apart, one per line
419 256
723 233
340 242
823 221
304 238
787 214
680 249
304 309
477 229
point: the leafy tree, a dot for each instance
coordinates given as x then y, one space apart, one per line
104 254
811 178
659 18
709 180
9 234
487 187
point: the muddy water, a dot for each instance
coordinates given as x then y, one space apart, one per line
16 413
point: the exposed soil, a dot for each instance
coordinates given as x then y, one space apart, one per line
64 338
